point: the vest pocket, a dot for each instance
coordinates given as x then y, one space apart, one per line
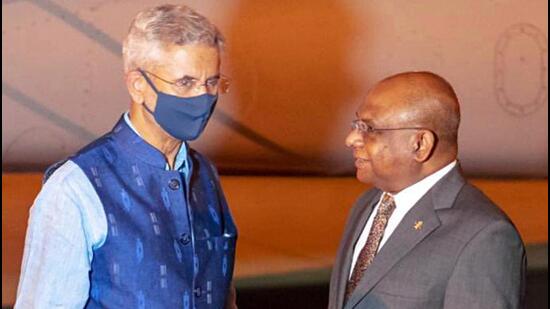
214 262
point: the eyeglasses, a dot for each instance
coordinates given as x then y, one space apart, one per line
364 128
218 84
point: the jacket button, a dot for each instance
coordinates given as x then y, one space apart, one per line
174 184
197 292
184 239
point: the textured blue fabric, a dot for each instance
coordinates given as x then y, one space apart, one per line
169 244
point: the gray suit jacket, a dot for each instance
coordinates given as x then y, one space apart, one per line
467 254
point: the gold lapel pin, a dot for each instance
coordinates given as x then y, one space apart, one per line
418 225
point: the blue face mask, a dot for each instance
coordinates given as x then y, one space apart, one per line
183 118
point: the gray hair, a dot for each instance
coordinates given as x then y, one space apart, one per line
154 29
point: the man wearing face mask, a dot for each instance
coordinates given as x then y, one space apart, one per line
137 219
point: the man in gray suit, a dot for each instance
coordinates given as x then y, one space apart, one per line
423 237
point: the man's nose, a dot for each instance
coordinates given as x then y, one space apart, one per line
200 89
354 139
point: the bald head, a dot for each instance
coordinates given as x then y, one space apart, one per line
423 99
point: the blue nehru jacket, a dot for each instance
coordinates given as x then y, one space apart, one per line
170 242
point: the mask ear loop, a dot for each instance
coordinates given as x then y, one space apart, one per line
152 86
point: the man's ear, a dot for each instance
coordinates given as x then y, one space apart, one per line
136 86
423 145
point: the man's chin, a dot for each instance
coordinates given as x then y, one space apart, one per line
363 176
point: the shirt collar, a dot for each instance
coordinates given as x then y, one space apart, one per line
181 157
412 194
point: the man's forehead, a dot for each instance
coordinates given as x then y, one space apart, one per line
189 60
383 107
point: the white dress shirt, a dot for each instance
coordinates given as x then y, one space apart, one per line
404 201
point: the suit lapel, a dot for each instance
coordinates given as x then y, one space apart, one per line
406 237
402 240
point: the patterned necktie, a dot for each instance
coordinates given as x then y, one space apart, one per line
373 241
